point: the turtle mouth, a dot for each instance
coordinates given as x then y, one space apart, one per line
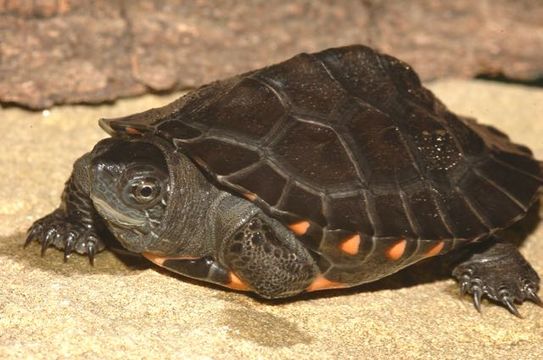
111 215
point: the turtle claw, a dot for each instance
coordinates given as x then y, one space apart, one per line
91 251
510 281
32 234
478 288
533 297
477 295
511 307
50 235
69 245
60 231
464 288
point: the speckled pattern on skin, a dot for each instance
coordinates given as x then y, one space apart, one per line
51 310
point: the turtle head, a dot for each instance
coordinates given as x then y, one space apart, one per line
129 187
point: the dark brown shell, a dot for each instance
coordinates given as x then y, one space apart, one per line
348 140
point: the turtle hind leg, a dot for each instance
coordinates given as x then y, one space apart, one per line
74 226
498 271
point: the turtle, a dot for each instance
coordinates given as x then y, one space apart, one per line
328 170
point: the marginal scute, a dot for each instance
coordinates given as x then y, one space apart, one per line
348 213
178 130
435 249
391 217
517 184
396 251
351 245
427 215
220 157
517 162
264 181
305 204
492 205
322 283
458 215
299 228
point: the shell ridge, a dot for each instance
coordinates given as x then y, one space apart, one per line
473 208
411 219
514 168
225 136
242 171
443 215
501 189
370 209
356 157
282 199
276 132
274 88
343 87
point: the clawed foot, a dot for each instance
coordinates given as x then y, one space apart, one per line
505 278
58 230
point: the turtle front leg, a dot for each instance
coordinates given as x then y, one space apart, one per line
73 225
268 259
499 272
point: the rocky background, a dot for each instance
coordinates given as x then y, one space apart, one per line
83 51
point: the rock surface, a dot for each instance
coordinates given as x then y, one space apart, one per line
53 310
81 51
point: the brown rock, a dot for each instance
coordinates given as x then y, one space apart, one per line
463 38
54 55
71 51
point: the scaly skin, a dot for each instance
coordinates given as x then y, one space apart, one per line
499 272
74 226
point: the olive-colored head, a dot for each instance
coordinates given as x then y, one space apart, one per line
129 188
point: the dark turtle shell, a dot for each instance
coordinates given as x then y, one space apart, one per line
347 143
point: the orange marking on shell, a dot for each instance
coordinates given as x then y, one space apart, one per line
299 228
351 245
160 259
236 283
397 250
322 283
132 131
436 249
250 196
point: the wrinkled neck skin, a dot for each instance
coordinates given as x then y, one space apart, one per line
186 226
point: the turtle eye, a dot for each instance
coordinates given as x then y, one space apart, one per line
145 191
